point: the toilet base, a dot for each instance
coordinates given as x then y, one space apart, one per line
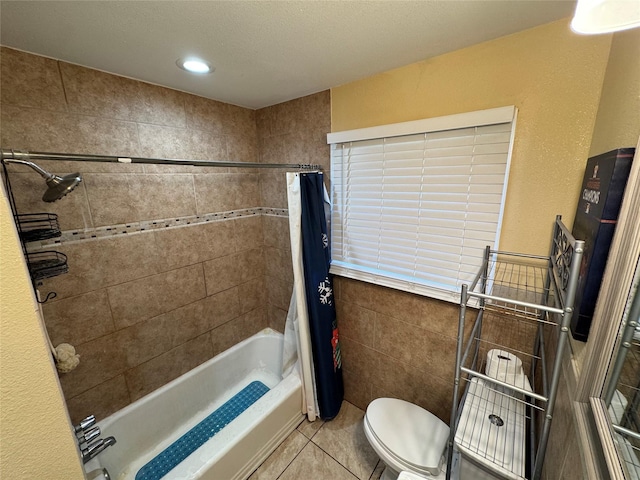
389 474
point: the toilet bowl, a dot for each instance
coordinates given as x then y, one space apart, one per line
406 438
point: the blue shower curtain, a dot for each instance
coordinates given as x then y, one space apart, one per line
319 295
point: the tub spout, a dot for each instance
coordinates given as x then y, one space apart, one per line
97 447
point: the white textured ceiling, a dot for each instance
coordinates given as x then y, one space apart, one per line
265 52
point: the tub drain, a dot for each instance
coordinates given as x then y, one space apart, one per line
496 420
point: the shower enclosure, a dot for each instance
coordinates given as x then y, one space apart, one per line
151 248
230 311
168 264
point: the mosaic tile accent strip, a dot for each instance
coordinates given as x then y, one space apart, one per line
73 236
198 435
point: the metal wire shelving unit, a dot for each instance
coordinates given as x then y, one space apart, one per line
502 423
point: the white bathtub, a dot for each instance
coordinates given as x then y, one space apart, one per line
148 426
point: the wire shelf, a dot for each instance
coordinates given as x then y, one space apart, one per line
46 264
629 453
38 226
517 286
492 429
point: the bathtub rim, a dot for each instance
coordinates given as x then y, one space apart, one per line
290 420
265 332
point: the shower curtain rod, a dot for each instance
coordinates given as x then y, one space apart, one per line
9 154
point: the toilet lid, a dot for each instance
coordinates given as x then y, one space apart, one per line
408 432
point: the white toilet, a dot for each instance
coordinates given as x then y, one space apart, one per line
406 437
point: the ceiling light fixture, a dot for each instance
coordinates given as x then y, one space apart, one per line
194 65
605 16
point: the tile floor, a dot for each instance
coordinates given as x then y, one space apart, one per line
336 450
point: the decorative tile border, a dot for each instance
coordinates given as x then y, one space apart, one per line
275 212
89 234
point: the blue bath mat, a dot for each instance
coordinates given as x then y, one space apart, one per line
198 435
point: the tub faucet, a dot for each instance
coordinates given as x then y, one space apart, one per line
89 435
96 447
85 425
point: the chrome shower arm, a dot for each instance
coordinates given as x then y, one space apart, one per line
46 175
57 187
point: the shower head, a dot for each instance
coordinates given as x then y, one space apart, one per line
58 186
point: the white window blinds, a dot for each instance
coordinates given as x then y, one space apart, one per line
416 211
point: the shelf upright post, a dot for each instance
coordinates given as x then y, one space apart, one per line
456 382
632 321
539 349
484 279
577 247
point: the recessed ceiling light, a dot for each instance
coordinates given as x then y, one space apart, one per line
194 65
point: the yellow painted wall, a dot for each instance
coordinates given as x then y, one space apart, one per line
35 432
553 76
618 119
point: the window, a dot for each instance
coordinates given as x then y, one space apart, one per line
414 204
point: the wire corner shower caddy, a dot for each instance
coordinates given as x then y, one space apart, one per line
502 423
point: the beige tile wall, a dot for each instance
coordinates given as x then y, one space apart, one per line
168 318
53 106
142 308
396 344
290 132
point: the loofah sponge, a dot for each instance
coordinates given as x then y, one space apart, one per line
66 358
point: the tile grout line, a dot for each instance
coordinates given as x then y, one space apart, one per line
173 349
374 469
332 457
106 288
160 354
296 455
113 321
86 196
64 90
310 440
195 192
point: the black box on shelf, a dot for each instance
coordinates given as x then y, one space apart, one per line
600 199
